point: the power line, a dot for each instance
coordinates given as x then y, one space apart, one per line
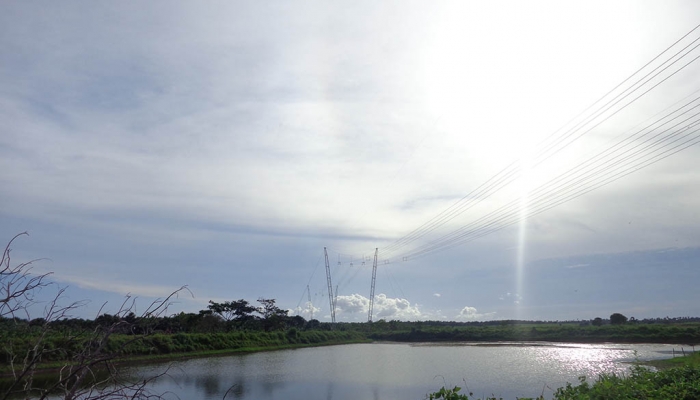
512 171
514 204
507 215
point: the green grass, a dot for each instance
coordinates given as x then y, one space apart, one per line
691 360
641 383
187 345
682 383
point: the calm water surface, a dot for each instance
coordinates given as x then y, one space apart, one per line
393 371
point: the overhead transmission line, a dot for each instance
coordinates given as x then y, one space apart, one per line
589 162
483 232
625 157
602 169
318 262
555 143
512 171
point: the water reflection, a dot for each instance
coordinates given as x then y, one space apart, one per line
395 371
237 390
593 360
329 395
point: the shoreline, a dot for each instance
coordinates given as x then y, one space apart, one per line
144 359
54 367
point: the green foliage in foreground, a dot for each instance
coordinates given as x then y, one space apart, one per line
675 383
448 394
681 383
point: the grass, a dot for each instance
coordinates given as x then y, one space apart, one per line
674 383
691 360
190 345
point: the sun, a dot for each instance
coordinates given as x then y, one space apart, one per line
504 86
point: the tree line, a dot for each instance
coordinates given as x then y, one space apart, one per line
218 317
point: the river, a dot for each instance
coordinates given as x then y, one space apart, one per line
396 371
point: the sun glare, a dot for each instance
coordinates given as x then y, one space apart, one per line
503 86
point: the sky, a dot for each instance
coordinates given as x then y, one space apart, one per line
147 146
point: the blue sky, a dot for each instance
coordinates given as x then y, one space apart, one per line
149 146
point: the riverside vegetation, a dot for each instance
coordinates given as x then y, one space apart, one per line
220 329
237 326
679 383
684 331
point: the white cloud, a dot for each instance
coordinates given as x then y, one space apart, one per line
471 314
437 294
576 266
388 308
308 311
352 304
512 296
356 307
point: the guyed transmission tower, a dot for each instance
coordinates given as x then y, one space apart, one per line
374 280
331 299
311 305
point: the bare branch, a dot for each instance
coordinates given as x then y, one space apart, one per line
89 371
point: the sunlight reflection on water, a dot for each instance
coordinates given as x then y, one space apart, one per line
399 371
594 360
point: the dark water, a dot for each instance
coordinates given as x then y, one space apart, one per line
390 371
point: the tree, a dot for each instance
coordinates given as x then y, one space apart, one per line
83 352
233 310
270 310
313 324
236 313
617 319
597 321
209 323
273 317
296 321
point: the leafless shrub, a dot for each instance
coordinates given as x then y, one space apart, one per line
17 285
88 370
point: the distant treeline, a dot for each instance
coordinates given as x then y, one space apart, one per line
239 315
240 326
665 320
631 332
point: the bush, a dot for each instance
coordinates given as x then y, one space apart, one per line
676 383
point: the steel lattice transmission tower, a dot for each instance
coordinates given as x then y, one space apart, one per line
311 305
331 299
374 280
